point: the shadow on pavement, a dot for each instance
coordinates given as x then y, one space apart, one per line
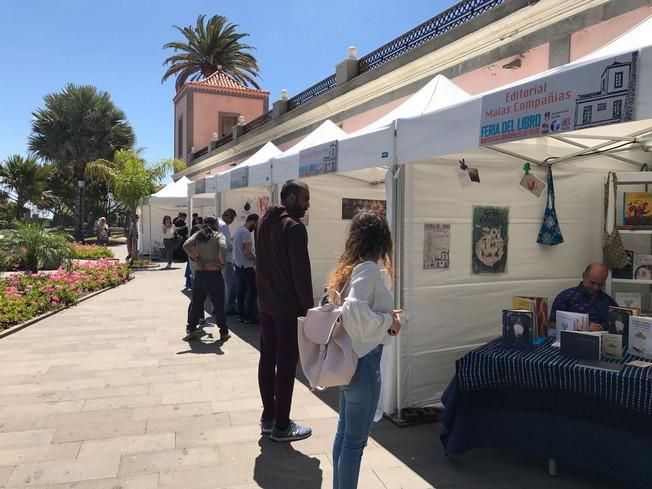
282 467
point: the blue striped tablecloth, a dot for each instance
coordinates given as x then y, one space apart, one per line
495 366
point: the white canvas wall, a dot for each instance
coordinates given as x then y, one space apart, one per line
454 311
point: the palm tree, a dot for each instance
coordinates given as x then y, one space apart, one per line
78 125
26 177
209 47
130 179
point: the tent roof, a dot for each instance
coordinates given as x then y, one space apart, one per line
175 189
326 132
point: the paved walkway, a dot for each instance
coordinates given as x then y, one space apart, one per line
105 395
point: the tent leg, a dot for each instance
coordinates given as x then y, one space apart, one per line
398 213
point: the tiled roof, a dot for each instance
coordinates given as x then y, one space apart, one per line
222 82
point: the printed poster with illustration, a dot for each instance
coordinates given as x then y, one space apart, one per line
490 237
436 246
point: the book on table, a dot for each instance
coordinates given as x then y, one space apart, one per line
518 328
619 318
582 345
640 336
571 321
539 308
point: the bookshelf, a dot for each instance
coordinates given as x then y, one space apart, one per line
634 239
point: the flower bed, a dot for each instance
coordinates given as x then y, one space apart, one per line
25 296
83 251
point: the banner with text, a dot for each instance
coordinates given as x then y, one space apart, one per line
318 160
240 177
595 94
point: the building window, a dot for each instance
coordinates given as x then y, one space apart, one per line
226 123
587 114
618 79
602 106
604 84
618 109
180 138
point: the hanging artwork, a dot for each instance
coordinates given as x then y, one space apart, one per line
489 250
436 246
350 207
531 183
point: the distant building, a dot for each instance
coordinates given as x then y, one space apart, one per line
478 44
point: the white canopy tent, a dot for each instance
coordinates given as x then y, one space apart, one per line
170 200
454 311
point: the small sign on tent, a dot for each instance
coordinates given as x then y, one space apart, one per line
318 160
240 177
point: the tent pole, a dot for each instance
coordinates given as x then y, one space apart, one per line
149 210
398 214
515 155
610 155
599 146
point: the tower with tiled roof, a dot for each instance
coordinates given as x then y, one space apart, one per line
209 108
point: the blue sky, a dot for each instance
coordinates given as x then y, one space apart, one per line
117 46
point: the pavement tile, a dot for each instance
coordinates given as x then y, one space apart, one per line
26 438
183 422
157 461
24 455
122 402
40 409
95 418
64 471
22 423
5 473
214 436
126 444
170 410
95 430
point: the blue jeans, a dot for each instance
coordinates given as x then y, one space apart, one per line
358 402
231 287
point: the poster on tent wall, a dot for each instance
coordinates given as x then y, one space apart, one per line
436 246
489 247
595 94
350 207
318 160
210 185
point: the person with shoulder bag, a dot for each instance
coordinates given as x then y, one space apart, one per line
207 249
369 318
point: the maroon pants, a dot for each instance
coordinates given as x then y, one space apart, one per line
279 354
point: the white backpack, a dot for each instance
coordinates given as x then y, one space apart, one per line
325 349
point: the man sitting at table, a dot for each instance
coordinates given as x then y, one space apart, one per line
587 298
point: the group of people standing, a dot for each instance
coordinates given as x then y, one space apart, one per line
279 271
221 267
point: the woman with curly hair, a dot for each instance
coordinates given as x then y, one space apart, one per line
370 320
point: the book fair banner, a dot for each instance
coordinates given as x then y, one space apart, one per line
595 94
318 160
489 248
240 177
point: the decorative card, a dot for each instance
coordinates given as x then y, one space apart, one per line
490 237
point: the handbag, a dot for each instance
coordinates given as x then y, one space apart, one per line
550 233
325 348
613 250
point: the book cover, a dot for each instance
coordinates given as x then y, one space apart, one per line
619 322
582 345
637 208
642 267
518 327
640 336
627 271
612 345
628 299
541 315
571 321
526 304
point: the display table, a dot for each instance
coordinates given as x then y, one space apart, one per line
544 404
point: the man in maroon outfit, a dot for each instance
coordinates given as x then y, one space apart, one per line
284 293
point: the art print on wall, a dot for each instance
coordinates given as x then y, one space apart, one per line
490 237
350 207
436 246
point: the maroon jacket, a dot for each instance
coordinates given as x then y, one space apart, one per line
283 276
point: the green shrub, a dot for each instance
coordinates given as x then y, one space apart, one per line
34 247
83 251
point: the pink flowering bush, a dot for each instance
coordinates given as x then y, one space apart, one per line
24 296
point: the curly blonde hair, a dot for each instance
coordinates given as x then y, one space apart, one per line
369 238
